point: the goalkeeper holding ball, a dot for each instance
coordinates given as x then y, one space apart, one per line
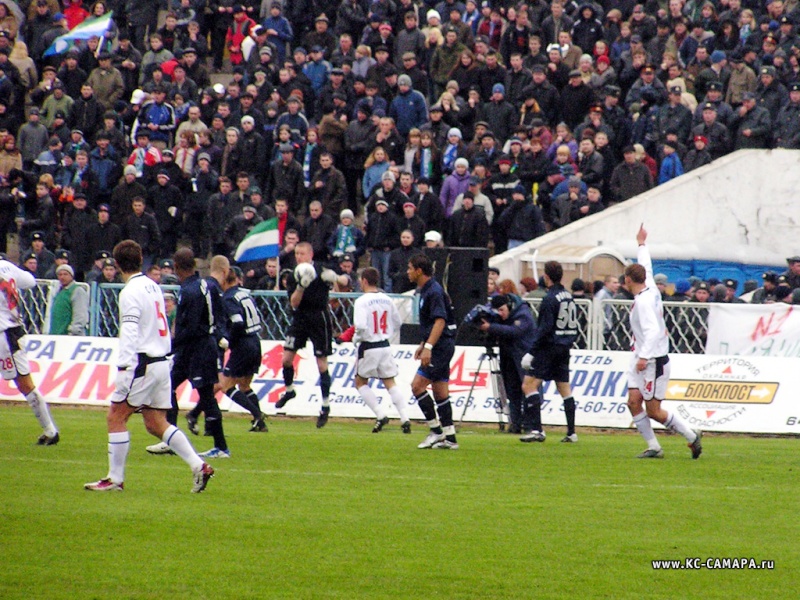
311 320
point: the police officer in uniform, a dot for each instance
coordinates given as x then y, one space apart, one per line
438 331
308 291
548 357
787 125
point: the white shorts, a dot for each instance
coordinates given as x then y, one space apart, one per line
652 382
376 363
153 389
13 360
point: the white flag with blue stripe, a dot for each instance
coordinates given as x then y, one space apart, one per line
89 28
261 243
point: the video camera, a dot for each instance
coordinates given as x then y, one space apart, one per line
480 313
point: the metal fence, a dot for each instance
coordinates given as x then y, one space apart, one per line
602 326
272 306
35 304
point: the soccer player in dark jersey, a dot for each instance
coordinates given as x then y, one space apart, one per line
548 358
195 347
438 331
308 293
244 360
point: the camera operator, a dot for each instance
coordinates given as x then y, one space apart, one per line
514 334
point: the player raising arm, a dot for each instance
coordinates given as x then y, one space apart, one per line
143 379
13 359
648 374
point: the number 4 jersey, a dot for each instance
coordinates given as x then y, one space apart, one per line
143 322
375 318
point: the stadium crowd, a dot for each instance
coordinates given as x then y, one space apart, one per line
442 121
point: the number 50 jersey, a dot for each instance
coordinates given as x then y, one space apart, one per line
558 320
143 324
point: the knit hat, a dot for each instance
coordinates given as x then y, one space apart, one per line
404 80
456 132
462 162
66 268
346 214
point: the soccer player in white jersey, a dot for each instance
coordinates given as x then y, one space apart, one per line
648 375
13 360
143 374
375 320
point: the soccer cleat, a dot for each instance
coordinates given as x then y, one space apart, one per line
696 446
259 426
570 439
431 440
284 399
160 448
533 436
215 453
191 424
380 424
650 453
406 426
201 477
45 440
446 445
104 485
322 419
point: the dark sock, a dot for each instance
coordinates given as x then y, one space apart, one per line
445 410
532 413
172 413
214 426
288 376
428 409
569 410
213 416
242 400
325 384
194 413
253 397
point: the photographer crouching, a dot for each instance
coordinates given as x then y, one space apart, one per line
514 334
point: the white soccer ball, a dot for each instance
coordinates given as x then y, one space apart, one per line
304 274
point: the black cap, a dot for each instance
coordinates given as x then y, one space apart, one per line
702 286
731 283
770 276
102 255
166 263
109 262
62 254
795 87
37 236
346 258
715 86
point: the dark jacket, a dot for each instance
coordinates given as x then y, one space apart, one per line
522 220
144 231
75 237
515 334
468 229
318 233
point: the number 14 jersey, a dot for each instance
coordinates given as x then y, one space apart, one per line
143 324
375 318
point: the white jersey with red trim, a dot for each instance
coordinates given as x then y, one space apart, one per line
375 318
143 326
650 337
12 279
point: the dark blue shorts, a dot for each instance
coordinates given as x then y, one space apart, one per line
197 362
244 359
551 364
439 367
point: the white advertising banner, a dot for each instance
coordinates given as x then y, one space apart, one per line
714 393
754 330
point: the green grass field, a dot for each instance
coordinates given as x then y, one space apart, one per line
342 513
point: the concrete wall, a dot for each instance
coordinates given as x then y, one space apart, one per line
742 208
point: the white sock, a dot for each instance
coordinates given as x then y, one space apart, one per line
177 440
678 425
42 412
449 430
326 401
399 403
290 387
371 400
433 424
642 422
118 446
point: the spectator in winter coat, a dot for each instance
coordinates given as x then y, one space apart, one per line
671 165
522 220
467 227
454 184
382 236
